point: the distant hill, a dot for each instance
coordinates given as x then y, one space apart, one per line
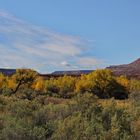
72 72
131 70
7 72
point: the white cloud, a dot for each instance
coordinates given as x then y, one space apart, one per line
27 45
89 62
64 63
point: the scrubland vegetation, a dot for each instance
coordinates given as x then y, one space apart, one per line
97 106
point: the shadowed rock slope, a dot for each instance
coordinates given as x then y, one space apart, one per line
131 70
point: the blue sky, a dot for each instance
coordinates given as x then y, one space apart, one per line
50 35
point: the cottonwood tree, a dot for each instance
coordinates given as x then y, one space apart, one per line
23 77
3 82
101 83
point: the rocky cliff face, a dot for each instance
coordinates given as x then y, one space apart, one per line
131 70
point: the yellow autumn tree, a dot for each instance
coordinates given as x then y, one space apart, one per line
39 84
11 84
122 80
66 86
51 86
134 85
23 77
83 84
3 81
101 83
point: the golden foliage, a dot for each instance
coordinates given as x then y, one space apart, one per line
124 82
39 84
11 83
2 79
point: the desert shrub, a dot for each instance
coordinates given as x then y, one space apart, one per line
26 93
20 108
117 123
14 129
63 86
36 112
38 133
135 90
51 87
66 85
82 117
134 85
89 120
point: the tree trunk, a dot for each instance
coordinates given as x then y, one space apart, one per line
17 87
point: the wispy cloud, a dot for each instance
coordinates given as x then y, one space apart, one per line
26 45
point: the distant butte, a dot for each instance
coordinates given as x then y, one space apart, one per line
131 70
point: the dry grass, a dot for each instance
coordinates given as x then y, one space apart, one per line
119 103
